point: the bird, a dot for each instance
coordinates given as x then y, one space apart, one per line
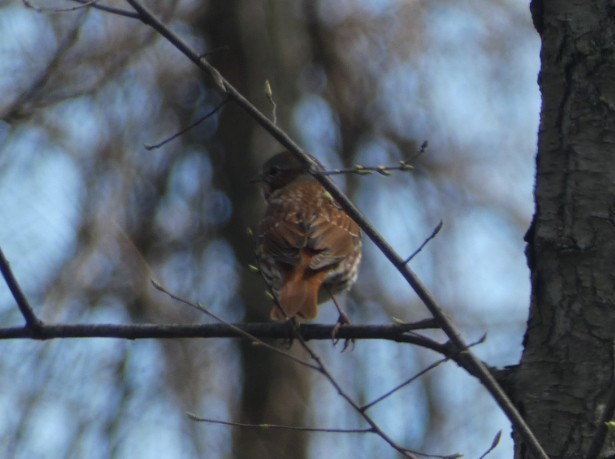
308 247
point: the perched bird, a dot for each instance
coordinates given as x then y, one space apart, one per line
309 248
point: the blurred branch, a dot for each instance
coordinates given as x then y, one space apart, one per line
359 169
108 9
194 417
12 111
186 129
84 4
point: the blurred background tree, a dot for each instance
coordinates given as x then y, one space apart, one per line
89 217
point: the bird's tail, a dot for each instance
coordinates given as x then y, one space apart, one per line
299 294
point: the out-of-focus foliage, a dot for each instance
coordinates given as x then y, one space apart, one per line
88 216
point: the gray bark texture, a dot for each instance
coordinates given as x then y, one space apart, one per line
565 378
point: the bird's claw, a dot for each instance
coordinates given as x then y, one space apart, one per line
342 320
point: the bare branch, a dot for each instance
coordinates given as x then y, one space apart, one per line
274 106
186 129
422 149
297 333
235 328
494 443
265 330
415 377
84 4
148 18
33 323
325 372
294 327
425 242
36 329
435 456
437 363
41 79
194 417
108 9
359 169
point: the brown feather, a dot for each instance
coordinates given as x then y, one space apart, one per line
307 240
299 293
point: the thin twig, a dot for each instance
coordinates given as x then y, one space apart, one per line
325 372
194 417
494 443
40 9
43 76
437 363
233 327
436 456
33 323
318 366
416 376
274 106
109 9
425 242
186 129
423 149
359 169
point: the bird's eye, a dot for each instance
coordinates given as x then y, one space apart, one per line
274 170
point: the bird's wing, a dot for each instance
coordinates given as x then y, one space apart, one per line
283 238
332 234
288 233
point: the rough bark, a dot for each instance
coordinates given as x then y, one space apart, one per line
566 371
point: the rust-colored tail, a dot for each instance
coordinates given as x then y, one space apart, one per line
299 294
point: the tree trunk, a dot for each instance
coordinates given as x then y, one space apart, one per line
566 371
273 391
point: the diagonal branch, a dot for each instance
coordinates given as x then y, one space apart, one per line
435 364
33 323
186 129
108 9
342 393
425 242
